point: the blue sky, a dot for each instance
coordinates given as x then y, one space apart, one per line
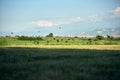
45 16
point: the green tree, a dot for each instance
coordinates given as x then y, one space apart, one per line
49 35
109 37
99 37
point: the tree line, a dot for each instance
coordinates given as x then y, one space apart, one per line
28 38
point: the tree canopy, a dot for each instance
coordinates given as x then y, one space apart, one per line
49 35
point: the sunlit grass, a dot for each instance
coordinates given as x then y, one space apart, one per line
12 41
97 47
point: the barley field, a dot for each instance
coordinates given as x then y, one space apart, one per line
31 63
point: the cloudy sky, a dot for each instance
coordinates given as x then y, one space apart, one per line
61 17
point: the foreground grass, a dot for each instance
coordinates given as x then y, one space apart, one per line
58 64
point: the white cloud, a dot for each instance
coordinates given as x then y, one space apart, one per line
56 22
99 32
77 19
43 23
95 18
105 16
115 12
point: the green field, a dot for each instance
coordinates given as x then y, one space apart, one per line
59 60
9 41
58 64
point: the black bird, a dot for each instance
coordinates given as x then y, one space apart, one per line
11 32
59 27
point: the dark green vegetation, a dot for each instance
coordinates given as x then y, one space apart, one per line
50 40
59 64
49 35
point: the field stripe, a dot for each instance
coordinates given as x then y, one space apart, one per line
98 47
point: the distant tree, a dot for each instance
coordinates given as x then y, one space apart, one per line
61 39
7 36
53 38
66 41
47 42
99 37
36 42
49 35
89 41
109 37
28 38
57 40
75 37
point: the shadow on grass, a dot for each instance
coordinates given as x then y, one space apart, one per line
59 64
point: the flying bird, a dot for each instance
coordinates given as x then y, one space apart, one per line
11 32
59 27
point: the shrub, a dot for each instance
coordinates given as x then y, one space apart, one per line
89 41
99 37
47 42
49 35
66 41
109 37
28 38
61 39
36 42
57 40
53 38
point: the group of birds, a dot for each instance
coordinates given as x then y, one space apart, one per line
38 31
58 28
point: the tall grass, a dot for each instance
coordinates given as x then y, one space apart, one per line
58 64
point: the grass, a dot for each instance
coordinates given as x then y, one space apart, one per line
71 60
17 63
91 47
5 41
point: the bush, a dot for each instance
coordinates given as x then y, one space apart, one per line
99 37
36 42
28 38
61 39
89 41
47 42
49 35
66 41
109 37
57 40
53 38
